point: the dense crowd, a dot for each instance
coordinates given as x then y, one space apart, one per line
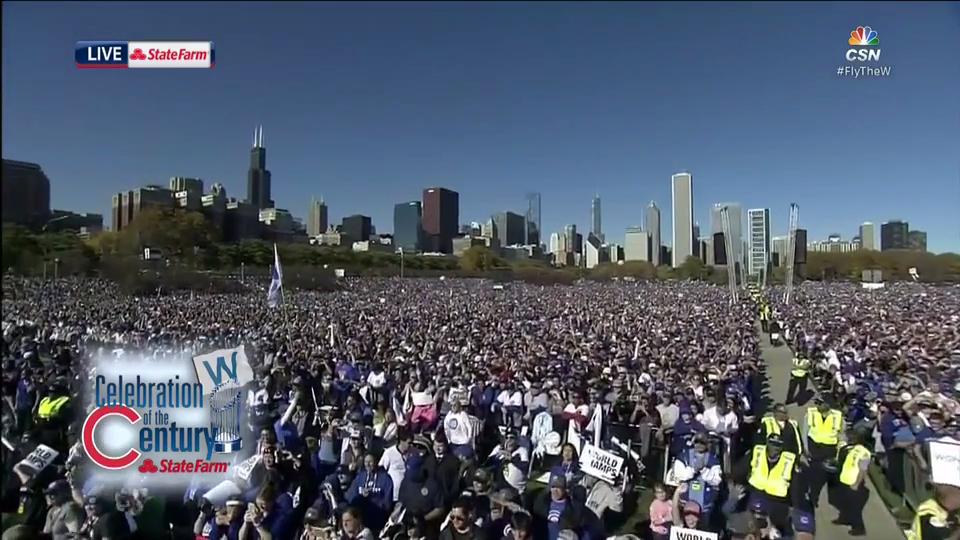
890 357
425 408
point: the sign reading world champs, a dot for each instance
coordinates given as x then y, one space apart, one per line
600 463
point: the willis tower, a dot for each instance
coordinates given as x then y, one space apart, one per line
258 178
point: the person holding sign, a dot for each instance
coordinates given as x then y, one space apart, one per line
700 469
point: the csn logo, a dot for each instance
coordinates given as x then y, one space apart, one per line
863 38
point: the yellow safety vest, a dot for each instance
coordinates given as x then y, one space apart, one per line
800 367
772 427
928 508
851 464
776 481
822 430
50 407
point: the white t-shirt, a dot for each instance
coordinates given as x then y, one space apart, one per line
377 380
392 461
458 427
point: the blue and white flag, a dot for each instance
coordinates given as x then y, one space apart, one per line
276 281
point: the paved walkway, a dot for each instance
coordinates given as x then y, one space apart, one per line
880 524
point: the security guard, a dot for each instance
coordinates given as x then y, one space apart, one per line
821 429
764 316
54 414
771 472
853 461
779 423
798 377
936 518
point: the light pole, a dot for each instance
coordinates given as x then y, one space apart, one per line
401 261
56 268
46 250
241 271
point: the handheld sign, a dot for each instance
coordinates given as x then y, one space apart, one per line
680 533
38 460
219 366
600 463
945 463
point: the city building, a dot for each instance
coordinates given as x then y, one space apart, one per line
653 229
180 183
735 217
356 228
894 234
509 228
636 245
533 229
595 218
330 238
682 205
594 251
462 243
258 177
317 218
127 205
441 215
868 236
65 220
833 244
706 250
26 194
407 231
241 221
213 205
917 240
778 250
187 193
696 240
373 245
615 252
570 233
278 220
758 220
555 241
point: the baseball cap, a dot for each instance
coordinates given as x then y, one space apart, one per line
57 486
558 481
691 507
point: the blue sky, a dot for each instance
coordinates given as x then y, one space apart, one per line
367 104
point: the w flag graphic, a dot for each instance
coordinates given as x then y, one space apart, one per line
276 281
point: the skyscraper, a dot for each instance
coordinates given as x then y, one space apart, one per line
636 245
441 216
682 196
653 229
894 234
317 218
696 240
917 240
570 232
759 254
509 228
356 228
258 177
26 194
868 236
533 230
407 226
596 220
735 216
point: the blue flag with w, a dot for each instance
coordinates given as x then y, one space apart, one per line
275 293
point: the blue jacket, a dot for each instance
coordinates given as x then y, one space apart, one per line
380 486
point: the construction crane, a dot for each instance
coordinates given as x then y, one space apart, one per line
731 255
791 250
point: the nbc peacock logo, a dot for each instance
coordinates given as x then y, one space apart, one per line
862 40
864 35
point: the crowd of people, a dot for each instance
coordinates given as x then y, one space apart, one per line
427 408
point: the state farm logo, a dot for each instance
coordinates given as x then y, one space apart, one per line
170 54
137 54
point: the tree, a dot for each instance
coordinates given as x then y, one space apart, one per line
692 268
479 258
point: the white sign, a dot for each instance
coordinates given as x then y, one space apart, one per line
339 272
945 463
245 468
221 366
680 533
600 463
38 460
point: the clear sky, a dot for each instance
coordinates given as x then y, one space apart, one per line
367 104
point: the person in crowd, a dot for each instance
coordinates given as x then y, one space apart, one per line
352 527
372 493
460 523
558 509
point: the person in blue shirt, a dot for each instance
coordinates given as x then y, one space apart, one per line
372 492
569 467
685 428
264 519
558 510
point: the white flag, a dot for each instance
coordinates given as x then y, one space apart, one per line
223 365
276 281
596 424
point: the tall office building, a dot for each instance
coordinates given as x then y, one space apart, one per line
682 197
735 216
555 242
759 253
594 252
509 228
778 250
258 177
917 240
407 218
356 228
596 227
441 216
317 219
26 194
194 186
653 229
894 234
533 230
570 232
868 236
696 240
636 245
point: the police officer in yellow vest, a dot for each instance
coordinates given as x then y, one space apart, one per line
770 476
798 377
852 462
936 517
764 316
54 414
822 429
779 423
